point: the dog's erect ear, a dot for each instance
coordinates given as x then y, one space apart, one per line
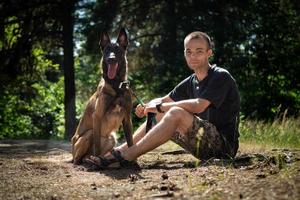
104 40
122 38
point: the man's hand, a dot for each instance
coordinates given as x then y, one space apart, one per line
143 110
139 111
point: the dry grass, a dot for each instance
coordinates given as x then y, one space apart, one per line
280 133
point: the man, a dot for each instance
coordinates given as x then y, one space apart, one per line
201 113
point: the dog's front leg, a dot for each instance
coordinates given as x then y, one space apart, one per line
98 114
96 148
127 127
101 106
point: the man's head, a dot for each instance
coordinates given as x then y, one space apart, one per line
201 36
197 49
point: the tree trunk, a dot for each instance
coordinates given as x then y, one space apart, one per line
68 67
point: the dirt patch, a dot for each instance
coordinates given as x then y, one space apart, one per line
42 170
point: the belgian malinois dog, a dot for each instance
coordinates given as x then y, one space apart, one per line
109 106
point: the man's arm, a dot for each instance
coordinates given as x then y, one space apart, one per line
191 105
160 100
197 105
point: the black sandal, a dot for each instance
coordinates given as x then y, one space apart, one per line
109 163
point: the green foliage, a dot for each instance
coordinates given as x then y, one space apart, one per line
31 89
269 79
11 32
87 77
32 107
13 123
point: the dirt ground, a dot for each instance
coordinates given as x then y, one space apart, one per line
41 170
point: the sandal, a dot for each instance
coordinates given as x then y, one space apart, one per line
116 162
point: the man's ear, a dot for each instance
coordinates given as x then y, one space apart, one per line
123 39
209 52
104 40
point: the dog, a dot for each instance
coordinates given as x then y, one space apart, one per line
109 107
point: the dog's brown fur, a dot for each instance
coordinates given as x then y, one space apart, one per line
108 107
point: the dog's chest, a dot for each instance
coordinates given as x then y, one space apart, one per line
113 117
117 105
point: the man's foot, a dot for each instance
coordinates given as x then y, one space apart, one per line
112 161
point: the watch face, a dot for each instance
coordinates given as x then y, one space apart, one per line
152 104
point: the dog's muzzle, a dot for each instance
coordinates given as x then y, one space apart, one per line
112 65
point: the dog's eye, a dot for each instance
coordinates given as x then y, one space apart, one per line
107 51
118 51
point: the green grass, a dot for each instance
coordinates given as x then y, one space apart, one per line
282 133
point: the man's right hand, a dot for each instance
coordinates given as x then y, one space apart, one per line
139 110
151 106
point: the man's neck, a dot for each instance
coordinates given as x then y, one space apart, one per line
202 72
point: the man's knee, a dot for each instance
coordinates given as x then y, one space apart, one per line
176 114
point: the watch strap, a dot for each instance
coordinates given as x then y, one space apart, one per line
158 108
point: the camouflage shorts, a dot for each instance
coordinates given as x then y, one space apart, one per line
202 140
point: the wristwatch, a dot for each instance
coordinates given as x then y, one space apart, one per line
158 107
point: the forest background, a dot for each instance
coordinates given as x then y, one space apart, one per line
49 59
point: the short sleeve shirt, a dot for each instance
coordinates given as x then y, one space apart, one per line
220 89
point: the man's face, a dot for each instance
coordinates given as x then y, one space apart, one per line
197 53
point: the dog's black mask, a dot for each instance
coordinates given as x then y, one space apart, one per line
114 63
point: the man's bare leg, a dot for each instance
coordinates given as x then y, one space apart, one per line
139 134
176 119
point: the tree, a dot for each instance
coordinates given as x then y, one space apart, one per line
67 19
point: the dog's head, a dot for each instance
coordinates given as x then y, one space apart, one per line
114 63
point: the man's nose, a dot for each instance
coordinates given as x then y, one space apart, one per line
193 55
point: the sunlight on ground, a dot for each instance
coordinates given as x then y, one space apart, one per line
249 147
169 146
254 148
